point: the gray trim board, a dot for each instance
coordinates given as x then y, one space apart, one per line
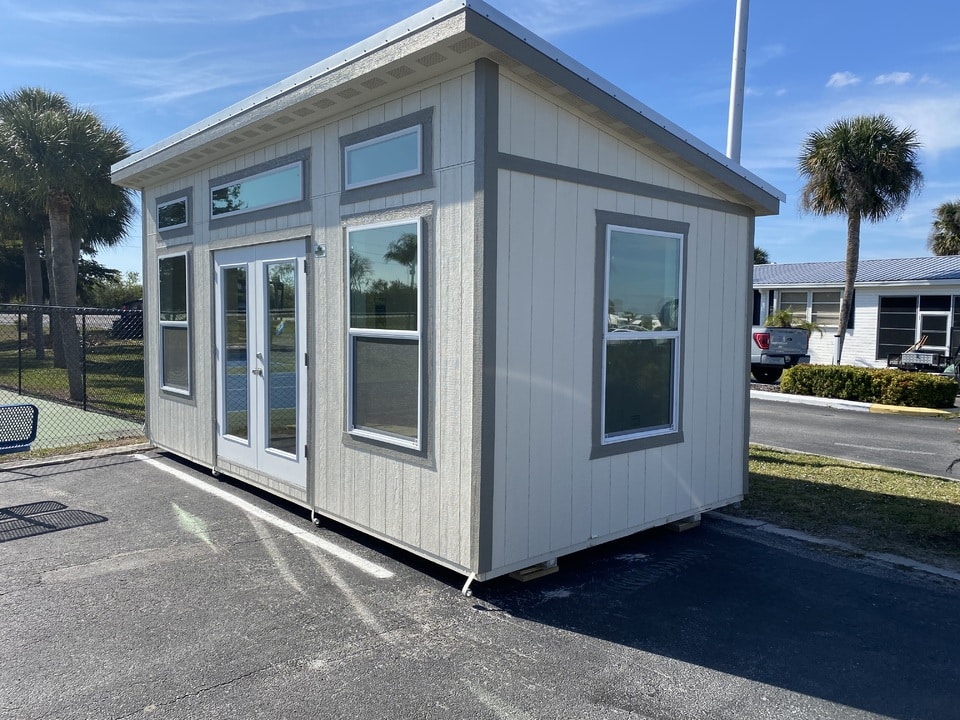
299 206
487 140
167 235
423 181
565 173
748 309
605 218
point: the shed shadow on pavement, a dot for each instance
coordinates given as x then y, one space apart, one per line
874 641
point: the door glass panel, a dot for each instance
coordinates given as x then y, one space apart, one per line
281 361
236 365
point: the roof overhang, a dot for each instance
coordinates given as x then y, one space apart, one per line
429 44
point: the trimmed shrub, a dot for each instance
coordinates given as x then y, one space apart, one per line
873 385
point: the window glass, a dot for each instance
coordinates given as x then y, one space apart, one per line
386 386
384 330
825 308
383 277
896 325
236 368
268 189
390 157
641 343
176 372
174 324
171 215
173 288
795 301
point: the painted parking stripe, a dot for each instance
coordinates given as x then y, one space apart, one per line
887 449
304 535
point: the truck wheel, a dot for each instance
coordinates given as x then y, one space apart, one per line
766 375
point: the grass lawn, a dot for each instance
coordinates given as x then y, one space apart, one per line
873 508
114 374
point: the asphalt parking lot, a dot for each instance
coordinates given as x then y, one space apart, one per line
134 587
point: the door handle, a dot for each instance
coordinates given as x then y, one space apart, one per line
257 371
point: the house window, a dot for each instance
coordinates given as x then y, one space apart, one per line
172 215
384 378
390 157
175 374
640 354
821 307
268 189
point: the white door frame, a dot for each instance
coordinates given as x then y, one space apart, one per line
260 366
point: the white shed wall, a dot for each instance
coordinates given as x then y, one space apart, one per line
549 497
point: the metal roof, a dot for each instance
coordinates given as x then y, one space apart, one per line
233 127
894 270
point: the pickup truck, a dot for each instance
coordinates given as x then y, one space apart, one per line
772 349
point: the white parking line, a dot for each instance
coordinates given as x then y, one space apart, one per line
887 449
304 535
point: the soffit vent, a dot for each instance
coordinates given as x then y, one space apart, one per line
430 59
400 72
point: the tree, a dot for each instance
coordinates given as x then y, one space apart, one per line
865 168
58 158
760 256
404 251
945 236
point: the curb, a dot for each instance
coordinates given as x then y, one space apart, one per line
887 558
852 405
84 455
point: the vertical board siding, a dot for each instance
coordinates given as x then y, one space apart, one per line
549 495
422 504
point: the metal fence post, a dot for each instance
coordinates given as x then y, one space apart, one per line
83 354
19 350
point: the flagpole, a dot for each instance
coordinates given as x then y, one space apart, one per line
735 122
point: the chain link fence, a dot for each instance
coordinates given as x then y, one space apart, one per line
83 367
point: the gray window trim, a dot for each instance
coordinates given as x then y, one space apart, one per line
424 213
179 231
247 216
605 219
421 181
187 324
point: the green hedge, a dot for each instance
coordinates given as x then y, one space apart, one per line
873 385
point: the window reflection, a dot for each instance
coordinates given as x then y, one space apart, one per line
173 289
644 282
268 189
172 214
383 277
390 157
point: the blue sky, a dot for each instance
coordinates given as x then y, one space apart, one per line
155 68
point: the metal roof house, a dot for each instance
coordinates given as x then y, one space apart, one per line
897 301
453 289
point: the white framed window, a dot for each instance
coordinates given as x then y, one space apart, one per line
384 377
393 156
172 215
267 189
640 353
173 284
821 307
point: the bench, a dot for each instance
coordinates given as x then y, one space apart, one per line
18 427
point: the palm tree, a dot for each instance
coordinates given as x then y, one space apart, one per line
404 251
945 236
865 168
760 256
58 158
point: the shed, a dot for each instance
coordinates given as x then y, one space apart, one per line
451 288
897 301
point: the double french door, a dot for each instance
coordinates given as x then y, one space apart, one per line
260 359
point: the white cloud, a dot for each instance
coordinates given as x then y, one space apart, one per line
894 78
842 79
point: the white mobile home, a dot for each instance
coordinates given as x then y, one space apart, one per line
452 289
896 302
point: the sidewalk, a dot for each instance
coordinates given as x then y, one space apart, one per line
850 404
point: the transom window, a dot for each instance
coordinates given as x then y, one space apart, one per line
271 188
389 157
641 338
175 372
172 215
384 384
